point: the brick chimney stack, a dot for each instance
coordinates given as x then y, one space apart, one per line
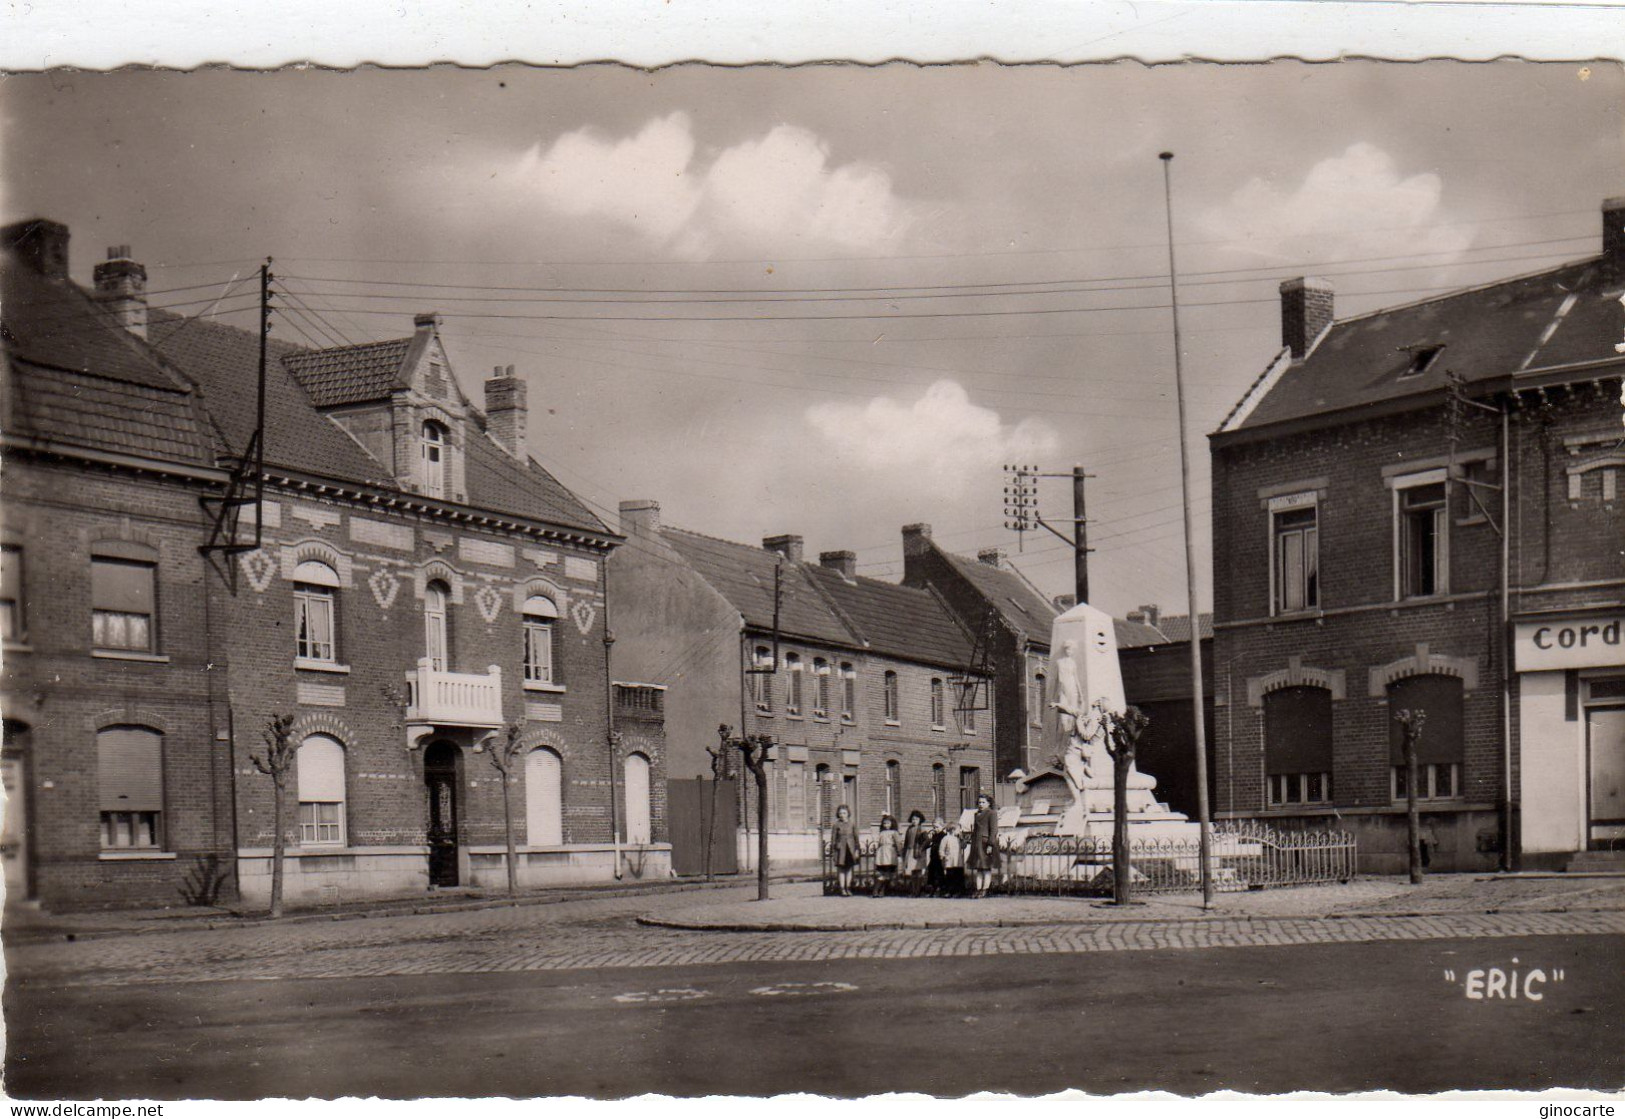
843 563
506 410
1150 613
789 546
1065 602
640 517
1306 311
916 540
993 557
121 287
41 244
1613 240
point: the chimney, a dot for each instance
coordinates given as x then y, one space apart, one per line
1149 613
427 320
993 557
41 244
1135 616
789 546
505 410
1065 602
121 287
1613 240
640 517
1306 311
844 563
916 540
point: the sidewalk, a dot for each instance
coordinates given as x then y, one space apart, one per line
24 924
804 908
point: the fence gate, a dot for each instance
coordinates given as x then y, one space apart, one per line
690 803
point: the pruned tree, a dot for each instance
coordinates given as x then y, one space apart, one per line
504 755
277 763
753 749
1412 721
1123 731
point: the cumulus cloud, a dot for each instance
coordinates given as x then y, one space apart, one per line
935 446
1357 204
764 194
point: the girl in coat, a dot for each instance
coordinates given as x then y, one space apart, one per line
913 866
888 845
843 848
982 852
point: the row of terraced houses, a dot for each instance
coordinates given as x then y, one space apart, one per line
1414 509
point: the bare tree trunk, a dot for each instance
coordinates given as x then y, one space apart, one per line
761 831
1121 761
1413 823
278 843
507 825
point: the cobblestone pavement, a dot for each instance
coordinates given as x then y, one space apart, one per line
600 933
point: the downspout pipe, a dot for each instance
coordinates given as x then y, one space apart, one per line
609 723
1507 644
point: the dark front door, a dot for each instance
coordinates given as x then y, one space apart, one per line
440 777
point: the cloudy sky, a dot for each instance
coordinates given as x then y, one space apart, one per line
834 300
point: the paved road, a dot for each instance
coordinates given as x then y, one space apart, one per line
1328 1016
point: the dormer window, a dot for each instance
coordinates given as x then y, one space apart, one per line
433 448
1422 359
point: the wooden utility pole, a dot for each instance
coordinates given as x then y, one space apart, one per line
1200 722
1080 537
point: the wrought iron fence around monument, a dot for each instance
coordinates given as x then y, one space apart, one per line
1245 855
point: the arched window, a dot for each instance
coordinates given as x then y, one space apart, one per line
544 799
820 688
315 619
937 716
889 691
433 449
1298 745
436 627
637 799
540 617
792 665
849 692
1035 701
320 771
894 789
1439 749
130 786
761 682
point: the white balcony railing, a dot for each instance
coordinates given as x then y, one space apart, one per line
458 699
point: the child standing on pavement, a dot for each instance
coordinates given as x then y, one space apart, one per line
843 849
951 854
913 865
888 845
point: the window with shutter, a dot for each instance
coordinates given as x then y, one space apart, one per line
122 604
637 799
130 786
1439 750
544 799
11 593
320 772
1298 745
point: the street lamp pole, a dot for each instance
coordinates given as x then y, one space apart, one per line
1190 548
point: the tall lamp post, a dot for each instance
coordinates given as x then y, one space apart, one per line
1190 547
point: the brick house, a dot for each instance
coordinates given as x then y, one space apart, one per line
1011 620
1154 651
115 784
420 584
862 702
1385 542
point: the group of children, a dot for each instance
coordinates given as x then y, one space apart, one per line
940 859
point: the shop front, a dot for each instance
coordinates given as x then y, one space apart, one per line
1571 734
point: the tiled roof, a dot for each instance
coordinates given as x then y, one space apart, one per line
744 576
1022 606
74 376
897 621
501 483
1170 629
1557 317
350 374
224 363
